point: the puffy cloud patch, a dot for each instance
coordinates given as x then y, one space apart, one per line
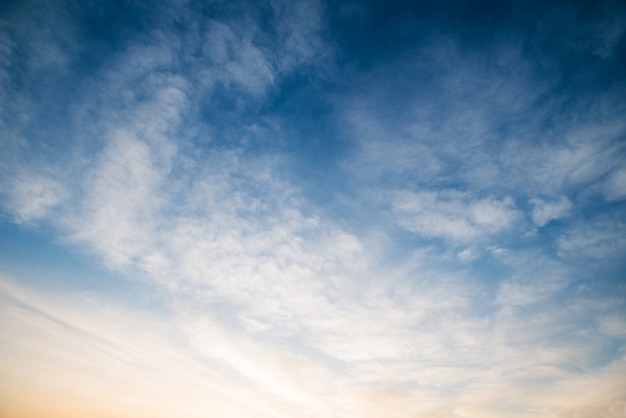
32 196
546 211
453 215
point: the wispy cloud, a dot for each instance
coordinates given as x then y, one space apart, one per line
452 214
116 352
546 211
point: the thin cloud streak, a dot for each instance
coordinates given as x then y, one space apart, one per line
110 343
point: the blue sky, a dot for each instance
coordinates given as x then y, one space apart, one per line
313 209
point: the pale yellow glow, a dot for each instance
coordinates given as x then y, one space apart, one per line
77 356
100 360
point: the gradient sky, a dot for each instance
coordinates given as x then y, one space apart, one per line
312 209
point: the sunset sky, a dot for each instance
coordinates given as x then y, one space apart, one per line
312 209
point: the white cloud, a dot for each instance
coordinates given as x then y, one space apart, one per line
33 195
493 215
300 29
453 134
385 152
536 278
519 293
415 345
615 185
6 48
234 59
116 214
453 215
601 238
546 211
613 325
99 358
467 254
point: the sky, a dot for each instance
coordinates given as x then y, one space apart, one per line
312 209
